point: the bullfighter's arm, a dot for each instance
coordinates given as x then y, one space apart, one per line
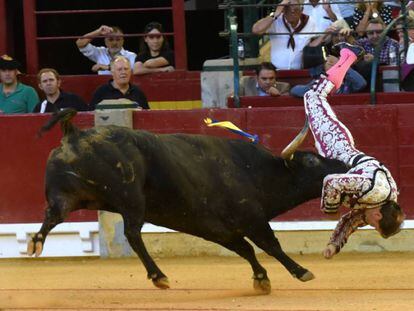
335 186
346 226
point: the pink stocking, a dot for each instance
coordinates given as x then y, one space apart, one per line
338 71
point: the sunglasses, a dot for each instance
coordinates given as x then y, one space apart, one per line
371 32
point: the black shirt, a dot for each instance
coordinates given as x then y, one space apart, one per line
65 100
107 91
167 54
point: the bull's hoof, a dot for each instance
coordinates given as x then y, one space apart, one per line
30 248
262 286
35 246
307 276
161 283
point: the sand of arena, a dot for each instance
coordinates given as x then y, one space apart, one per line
351 281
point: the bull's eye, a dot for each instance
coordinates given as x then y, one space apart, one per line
311 161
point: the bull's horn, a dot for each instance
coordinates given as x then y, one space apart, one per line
290 149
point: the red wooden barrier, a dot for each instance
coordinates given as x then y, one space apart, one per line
170 86
335 100
383 131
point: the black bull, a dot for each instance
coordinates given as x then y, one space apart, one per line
218 189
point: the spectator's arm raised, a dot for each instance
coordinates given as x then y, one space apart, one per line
87 38
262 25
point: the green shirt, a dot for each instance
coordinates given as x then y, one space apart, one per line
22 100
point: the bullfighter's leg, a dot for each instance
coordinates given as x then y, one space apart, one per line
332 138
264 238
55 214
132 228
241 247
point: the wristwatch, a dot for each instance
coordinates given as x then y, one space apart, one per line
272 15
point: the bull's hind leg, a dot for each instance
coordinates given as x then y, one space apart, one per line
132 230
240 246
264 237
54 215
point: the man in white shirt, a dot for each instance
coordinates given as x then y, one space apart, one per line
322 13
287 50
102 56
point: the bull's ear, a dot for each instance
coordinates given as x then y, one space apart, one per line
311 160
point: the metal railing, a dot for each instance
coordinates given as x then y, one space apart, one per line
30 15
232 26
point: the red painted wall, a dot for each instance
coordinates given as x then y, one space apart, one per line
384 131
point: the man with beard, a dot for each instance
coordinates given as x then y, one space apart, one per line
56 99
15 97
101 55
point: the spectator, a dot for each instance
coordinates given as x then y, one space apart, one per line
155 55
375 28
353 81
103 56
347 11
264 83
120 85
286 50
407 65
15 97
315 53
322 13
400 33
367 10
56 99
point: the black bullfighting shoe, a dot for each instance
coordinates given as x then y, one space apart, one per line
357 50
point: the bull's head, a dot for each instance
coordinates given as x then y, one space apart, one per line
312 167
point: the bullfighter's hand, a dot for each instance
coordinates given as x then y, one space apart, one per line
329 251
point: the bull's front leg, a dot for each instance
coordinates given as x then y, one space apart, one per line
261 282
264 238
53 217
132 230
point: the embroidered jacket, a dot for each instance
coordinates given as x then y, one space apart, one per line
347 225
367 184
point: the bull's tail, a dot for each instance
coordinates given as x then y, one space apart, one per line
64 117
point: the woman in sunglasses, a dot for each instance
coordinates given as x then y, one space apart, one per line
155 54
366 10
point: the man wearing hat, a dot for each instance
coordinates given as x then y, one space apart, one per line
15 97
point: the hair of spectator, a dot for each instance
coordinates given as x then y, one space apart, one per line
298 2
117 29
143 47
43 70
117 59
265 66
376 21
362 6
